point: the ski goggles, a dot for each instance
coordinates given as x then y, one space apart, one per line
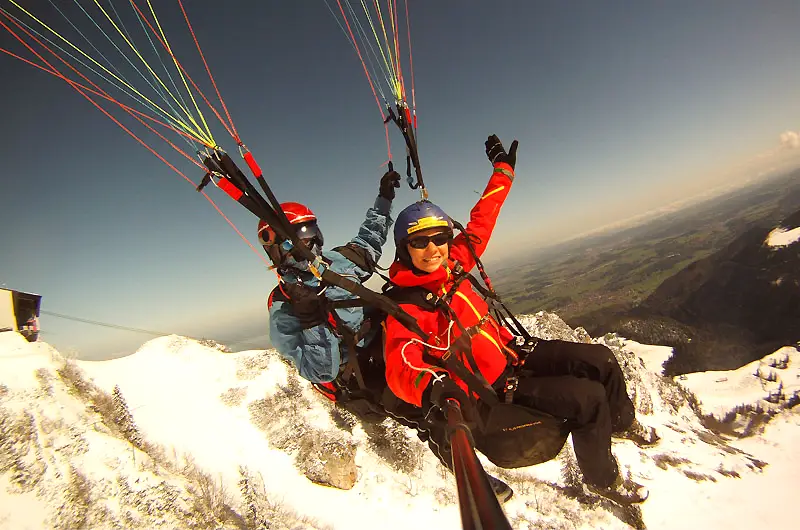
308 233
421 242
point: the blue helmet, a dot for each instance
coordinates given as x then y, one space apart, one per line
417 217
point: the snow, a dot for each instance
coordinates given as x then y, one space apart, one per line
653 356
173 385
173 393
721 391
21 511
757 500
64 436
781 237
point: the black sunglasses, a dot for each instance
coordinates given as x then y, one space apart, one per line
439 239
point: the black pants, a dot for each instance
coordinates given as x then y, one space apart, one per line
584 384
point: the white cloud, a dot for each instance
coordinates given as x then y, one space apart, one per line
790 139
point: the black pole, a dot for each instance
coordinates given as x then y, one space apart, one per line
480 509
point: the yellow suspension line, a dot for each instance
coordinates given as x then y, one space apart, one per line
395 80
389 71
180 72
399 89
184 126
198 129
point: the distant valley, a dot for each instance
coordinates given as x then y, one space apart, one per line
696 279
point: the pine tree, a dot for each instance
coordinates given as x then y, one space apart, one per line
252 509
570 473
124 420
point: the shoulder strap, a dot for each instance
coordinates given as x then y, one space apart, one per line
361 257
418 296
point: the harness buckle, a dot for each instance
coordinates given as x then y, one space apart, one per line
511 385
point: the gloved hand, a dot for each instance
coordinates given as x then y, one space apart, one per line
306 305
497 153
445 388
389 181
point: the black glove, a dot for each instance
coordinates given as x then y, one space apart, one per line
497 153
445 388
389 181
306 305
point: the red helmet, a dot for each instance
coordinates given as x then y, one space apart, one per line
305 223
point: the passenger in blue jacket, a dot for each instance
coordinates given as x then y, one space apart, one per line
304 328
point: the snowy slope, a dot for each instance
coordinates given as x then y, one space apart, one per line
767 383
60 465
175 387
653 357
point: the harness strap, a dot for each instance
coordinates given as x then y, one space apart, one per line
343 304
510 386
352 367
477 384
497 304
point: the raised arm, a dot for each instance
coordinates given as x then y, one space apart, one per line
483 217
375 228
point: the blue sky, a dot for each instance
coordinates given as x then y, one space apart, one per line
619 107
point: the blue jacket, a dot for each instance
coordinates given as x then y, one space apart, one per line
316 352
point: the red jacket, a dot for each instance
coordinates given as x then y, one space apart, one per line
406 373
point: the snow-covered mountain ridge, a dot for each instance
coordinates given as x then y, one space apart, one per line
250 409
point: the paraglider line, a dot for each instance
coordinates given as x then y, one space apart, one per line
191 140
183 71
366 72
186 111
211 77
388 66
112 100
160 59
187 127
386 40
360 58
124 56
369 50
74 85
411 67
57 73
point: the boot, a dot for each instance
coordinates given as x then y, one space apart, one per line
641 435
502 491
621 491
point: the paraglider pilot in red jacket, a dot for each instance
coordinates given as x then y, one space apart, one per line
580 387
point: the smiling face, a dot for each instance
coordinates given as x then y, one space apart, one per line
431 256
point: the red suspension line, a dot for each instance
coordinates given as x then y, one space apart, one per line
378 12
75 86
366 72
395 31
112 100
411 67
183 70
200 51
98 90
